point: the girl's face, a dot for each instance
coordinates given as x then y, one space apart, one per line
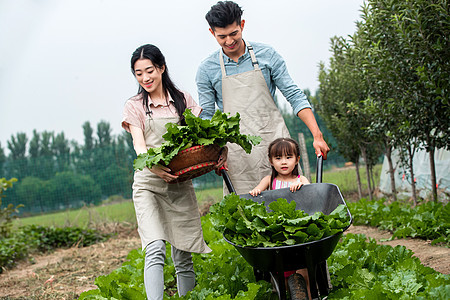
148 75
284 164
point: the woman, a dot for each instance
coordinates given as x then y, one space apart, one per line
164 212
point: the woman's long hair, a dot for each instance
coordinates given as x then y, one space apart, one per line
153 53
283 146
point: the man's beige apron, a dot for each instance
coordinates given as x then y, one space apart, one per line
166 211
248 94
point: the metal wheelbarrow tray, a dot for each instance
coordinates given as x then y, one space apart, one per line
274 261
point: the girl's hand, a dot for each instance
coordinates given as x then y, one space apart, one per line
255 192
163 172
295 186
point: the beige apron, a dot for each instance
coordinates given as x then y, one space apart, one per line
166 211
248 94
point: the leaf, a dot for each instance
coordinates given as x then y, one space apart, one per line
220 130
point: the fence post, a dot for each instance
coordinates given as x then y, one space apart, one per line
304 155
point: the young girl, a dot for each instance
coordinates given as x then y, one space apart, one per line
164 212
284 155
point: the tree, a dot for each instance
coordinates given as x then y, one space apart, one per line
104 134
423 27
61 151
408 45
34 154
47 164
17 147
86 159
343 92
103 156
2 160
88 138
29 191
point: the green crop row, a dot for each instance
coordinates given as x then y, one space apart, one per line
358 269
429 220
31 238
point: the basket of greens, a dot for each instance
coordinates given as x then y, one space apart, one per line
193 149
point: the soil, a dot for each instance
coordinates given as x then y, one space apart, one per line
66 273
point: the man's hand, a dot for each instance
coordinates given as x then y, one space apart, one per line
319 144
321 147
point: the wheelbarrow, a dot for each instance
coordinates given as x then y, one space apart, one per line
271 262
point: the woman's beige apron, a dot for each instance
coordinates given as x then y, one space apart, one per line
248 94
166 211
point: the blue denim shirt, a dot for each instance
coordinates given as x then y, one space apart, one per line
272 65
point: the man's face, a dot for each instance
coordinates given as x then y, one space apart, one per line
230 39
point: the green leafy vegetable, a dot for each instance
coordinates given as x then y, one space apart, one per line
429 220
248 223
219 130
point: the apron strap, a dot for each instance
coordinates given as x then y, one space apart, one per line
252 55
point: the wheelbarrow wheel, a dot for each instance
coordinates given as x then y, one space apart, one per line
297 287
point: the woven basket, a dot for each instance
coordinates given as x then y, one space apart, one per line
194 162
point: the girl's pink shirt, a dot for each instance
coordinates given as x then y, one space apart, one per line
134 111
278 184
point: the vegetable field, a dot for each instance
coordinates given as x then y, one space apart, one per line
358 268
380 267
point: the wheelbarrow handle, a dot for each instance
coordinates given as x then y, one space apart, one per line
227 180
319 168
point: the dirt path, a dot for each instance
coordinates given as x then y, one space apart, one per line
435 257
65 273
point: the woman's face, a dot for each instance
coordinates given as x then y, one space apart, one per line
148 75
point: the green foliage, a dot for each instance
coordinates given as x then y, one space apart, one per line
218 131
102 167
6 213
388 83
429 220
224 274
48 238
12 249
248 223
361 270
33 237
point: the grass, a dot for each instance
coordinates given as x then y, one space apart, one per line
345 178
109 213
84 217
123 211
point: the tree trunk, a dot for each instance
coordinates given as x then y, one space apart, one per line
363 152
358 178
433 175
391 171
372 180
304 155
411 171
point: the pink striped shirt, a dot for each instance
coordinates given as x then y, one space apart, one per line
278 184
134 111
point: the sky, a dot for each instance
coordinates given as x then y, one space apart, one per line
65 62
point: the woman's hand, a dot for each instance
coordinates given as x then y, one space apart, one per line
222 161
163 172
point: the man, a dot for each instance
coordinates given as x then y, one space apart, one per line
243 77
